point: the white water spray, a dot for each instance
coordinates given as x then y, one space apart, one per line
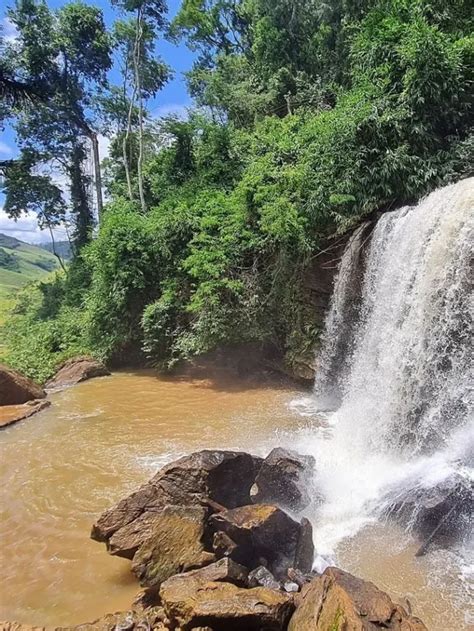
397 360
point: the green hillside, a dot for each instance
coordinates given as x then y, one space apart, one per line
20 263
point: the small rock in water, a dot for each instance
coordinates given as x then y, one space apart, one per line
261 577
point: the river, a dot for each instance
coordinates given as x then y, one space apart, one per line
103 438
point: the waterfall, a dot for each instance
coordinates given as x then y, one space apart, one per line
406 375
393 400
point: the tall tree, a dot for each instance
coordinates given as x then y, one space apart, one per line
69 53
144 74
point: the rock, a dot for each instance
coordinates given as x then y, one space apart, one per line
304 554
16 389
225 547
262 530
190 603
338 601
223 477
153 618
223 570
175 544
440 514
300 578
291 588
284 479
262 577
10 414
74 371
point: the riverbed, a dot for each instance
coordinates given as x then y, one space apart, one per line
103 438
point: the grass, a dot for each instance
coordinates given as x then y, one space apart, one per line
34 264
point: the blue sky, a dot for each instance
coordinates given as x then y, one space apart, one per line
173 98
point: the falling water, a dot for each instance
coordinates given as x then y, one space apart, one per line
398 370
407 372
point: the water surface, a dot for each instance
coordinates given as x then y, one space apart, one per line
102 439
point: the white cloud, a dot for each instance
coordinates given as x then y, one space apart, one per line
8 31
5 149
171 109
26 229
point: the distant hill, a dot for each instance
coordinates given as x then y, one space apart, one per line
63 248
19 264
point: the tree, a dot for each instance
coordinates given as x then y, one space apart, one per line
144 74
69 53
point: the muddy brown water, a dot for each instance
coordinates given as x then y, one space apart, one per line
102 439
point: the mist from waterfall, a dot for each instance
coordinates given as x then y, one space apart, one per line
396 365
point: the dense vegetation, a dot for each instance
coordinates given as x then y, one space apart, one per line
309 116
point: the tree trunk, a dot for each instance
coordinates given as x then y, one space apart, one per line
137 62
97 174
125 148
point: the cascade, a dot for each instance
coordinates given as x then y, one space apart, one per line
395 386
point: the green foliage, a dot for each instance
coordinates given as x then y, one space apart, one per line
9 261
40 336
317 114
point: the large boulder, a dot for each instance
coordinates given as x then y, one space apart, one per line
74 371
16 389
265 532
284 479
206 478
338 601
439 514
191 603
175 545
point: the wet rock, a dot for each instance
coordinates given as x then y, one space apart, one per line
291 588
300 578
146 620
223 477
339 601
126 541
262 577
304 554
440 514
284 479
10 414
74 371
175 544
190 603
225 570
225 547
16 389
262 530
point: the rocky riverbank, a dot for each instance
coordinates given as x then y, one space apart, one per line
211 540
